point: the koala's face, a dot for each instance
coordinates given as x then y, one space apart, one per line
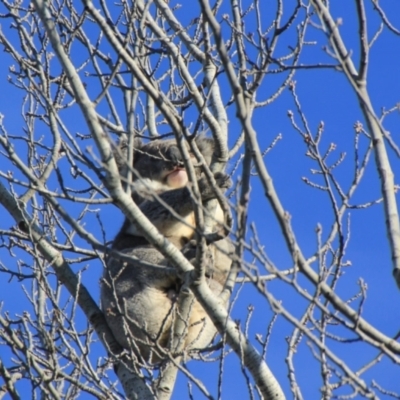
161 161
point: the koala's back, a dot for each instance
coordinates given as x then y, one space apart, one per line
140 305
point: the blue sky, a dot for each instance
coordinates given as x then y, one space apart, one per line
325 96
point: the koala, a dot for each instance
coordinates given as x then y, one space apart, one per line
161 170
140 302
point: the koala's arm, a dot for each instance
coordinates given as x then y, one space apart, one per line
179 201
218 258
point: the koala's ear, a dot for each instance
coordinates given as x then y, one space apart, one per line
206 146
120 152
138 143
137 149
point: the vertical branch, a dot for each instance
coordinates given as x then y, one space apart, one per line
220 131
242 213
265 380
151 117
363 36
166 382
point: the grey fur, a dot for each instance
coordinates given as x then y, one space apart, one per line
147 297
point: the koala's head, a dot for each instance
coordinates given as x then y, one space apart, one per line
161 162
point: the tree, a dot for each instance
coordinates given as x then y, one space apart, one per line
282 87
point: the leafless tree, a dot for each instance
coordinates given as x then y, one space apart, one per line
83 75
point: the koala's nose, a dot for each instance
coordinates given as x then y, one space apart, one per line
175 156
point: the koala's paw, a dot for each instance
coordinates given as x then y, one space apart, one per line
189 251
207 191
223 180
